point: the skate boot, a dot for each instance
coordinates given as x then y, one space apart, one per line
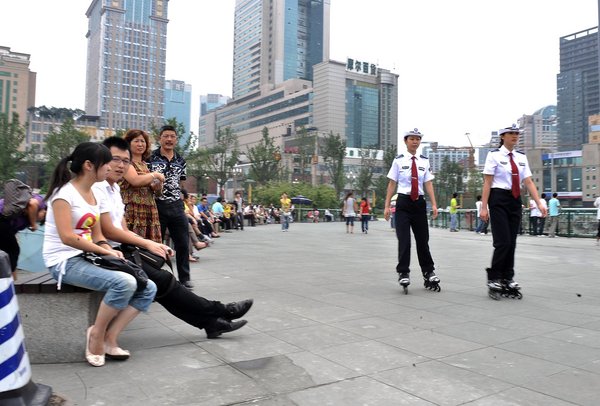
494 289
404 281
511 289
431 281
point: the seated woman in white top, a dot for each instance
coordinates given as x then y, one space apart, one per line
73 227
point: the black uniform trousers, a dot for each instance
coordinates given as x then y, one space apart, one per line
8 242
172 216
176 298
412 214
505 218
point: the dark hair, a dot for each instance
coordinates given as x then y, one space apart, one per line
130 135
543 195
219 199
185 193
166 128
478 197
348 195
455 195
117 142
554 194
94 152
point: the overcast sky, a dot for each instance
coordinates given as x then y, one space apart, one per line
465 66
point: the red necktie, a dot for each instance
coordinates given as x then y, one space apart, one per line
414 180
516 182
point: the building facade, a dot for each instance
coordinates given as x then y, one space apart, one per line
357 100
277 40
578 87
178 105
126 62
17 84
539 130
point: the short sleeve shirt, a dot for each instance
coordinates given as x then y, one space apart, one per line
497 163
401 172
110 201
174 171
83 217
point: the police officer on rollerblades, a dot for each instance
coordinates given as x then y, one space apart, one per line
409 177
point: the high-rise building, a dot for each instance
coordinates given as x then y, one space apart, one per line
539 130
17 84
357 100
211 101
578 87
178 105
125 82
277 40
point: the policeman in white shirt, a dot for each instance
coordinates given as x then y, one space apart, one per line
409 177
505 169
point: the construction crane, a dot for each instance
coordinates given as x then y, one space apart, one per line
471 162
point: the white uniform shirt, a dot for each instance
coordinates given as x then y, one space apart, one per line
497 163
533 209
110 201
401 172
597 204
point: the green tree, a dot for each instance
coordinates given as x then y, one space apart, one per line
306 150
61 143
381 182
322 196
333 151
218 161
448 180
12 135
264 159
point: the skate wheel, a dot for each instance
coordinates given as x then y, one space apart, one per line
405 289
494 295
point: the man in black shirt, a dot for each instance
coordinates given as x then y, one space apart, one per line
170 204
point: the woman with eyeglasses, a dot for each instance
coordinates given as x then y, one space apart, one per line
139 187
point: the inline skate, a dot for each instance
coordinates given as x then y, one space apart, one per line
431 281
404 281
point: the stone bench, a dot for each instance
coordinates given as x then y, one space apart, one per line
54 321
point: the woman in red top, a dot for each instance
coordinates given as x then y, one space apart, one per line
365 209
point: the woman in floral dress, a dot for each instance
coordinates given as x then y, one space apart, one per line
138 188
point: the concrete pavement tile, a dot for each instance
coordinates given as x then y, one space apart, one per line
481 333
519 397
554 350
153 337
424 319
272 320
355 392
562 317
475 312
316 336
525 325
440 383
430 344
504 365
322 313
374 327
420 298
368 357
572 385
221 385
578 335
361 304
251 347
291 372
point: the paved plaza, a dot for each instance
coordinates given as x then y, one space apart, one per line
330 326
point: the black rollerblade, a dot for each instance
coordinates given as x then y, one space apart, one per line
431 281
404 281
494 288
511 289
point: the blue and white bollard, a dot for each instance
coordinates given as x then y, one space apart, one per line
16 386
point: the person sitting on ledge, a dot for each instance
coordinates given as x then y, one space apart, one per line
214 317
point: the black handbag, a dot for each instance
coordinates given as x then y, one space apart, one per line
119 264
142 255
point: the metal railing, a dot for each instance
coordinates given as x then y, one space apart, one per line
571 223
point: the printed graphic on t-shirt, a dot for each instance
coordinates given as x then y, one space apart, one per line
84 225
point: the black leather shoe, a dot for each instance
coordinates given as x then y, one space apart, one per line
220 326
235 310
188 284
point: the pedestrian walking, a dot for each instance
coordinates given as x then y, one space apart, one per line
349 212
286 212
409 178
454 213
505 169
365 214
554 211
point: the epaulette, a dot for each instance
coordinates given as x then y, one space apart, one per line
400 156
423 156
520 152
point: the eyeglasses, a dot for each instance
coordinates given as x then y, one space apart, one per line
118 160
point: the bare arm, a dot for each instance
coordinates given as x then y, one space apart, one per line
137 180
31 211
391 190
62 218
485 196
125 236
534 194
429 189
